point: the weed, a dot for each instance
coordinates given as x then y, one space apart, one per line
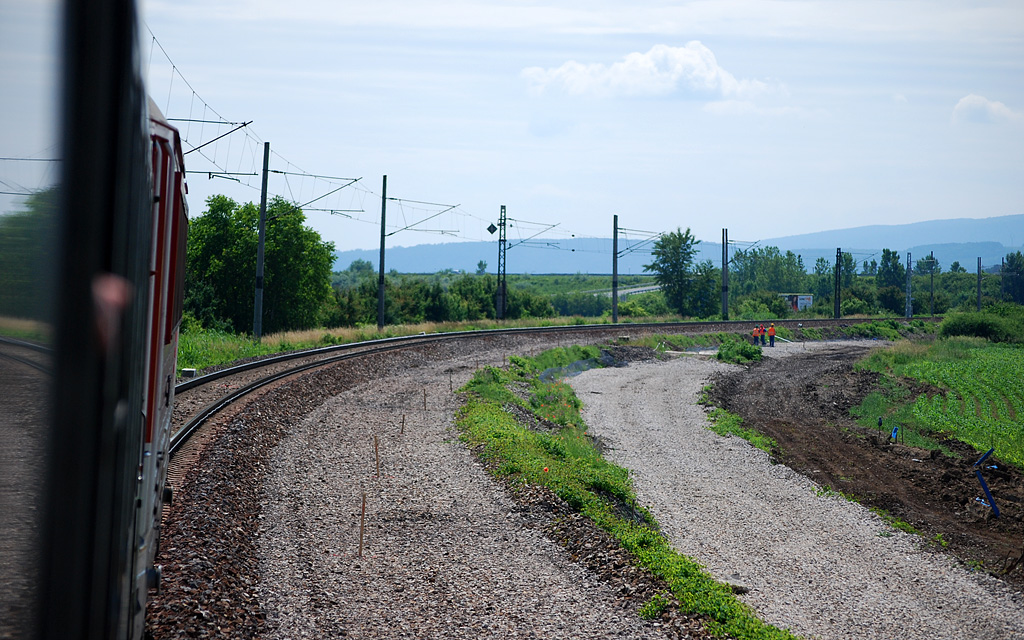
729 424
738 351
824 492
895 522
939 540
657 605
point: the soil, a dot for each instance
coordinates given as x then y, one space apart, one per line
804 402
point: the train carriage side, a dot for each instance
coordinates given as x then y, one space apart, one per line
164 307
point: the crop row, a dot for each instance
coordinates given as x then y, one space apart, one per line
983 400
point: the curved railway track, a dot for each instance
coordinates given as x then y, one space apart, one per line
198 399
213 530
26 353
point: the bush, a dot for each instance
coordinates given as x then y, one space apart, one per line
739 351
982 325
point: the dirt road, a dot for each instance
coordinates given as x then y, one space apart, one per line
818 564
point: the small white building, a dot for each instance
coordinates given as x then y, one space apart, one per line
798 301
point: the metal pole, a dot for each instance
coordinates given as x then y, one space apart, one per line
257 312
725 274
910 299
499 306
615 268
931 301
839 268
979 283
380 276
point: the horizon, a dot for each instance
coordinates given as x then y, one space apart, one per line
769 118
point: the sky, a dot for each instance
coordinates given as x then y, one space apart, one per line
766 117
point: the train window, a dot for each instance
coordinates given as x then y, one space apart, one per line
29 174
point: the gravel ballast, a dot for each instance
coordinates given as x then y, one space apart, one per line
264 539
446 554
815 564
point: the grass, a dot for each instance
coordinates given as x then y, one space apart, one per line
567 462
729 424
895 522
725 423
200 348
28 330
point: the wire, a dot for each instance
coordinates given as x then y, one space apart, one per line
244 124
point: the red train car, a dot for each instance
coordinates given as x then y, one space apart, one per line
100 251
164 304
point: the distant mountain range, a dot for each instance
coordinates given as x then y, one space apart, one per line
961 240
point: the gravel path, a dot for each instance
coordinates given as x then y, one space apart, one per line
816 565
446 553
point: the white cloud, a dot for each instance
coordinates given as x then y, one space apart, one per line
661 71
979 109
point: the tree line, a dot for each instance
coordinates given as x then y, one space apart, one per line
300 290
758 275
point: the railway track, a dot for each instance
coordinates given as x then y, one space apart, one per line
27 353
216 524
198 399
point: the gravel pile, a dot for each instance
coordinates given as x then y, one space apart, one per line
819 565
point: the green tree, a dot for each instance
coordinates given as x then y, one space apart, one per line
579 303
848 271
26 264
890 272
673 255
767 269
926 266
707 281
221 267
481 268
1013 276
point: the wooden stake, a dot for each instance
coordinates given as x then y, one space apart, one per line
376 453
362 525
451 385
424 399
402 432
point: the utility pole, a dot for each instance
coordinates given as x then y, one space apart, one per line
499 303
979 283
380 277
615 268
838 287
910 300
257 313
725 274
931 301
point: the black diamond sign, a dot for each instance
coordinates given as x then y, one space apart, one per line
492 228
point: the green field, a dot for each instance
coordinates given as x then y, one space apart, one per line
980 399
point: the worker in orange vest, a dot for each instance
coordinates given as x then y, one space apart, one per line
756 335
771 335
762 332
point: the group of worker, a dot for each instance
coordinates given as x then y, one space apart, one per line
760 332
